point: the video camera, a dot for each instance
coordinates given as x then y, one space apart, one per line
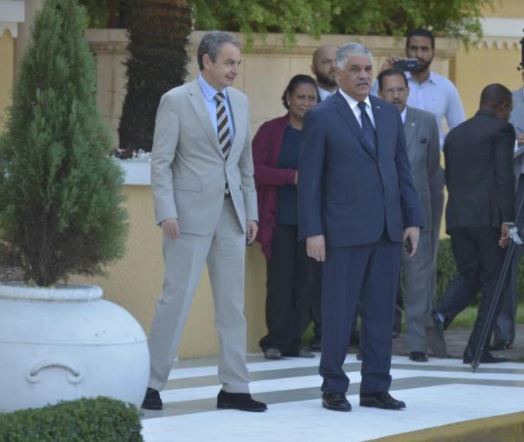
407 64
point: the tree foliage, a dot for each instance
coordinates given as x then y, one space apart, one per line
106 13
456 18
252 16
453 18
158 34
60 193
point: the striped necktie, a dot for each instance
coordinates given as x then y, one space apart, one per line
224 135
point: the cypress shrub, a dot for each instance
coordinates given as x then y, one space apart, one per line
60 192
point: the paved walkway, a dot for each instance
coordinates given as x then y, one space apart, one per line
440 392
456 340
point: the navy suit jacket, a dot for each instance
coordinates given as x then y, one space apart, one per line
348 192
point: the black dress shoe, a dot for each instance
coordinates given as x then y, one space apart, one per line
500 344
152 400
418 356
239 401
486 358
381 400
335 401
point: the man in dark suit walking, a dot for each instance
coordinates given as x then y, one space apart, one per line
357 204
481 205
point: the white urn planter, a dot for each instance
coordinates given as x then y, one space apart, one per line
65 343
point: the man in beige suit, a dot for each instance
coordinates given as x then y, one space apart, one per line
205 202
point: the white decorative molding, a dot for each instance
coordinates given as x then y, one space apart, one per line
501 33
499 43
59 293
136 172
12 13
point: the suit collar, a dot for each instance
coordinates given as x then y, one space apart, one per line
352 102
197 97
238 111
381 123
403 115
348 116
410 125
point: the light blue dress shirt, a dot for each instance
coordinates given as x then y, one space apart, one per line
324 93
439 96
209 93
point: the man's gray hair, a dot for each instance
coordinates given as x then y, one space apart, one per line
211 44
347 50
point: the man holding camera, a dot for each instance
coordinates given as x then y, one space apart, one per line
429 91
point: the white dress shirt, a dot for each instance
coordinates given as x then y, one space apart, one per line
353 104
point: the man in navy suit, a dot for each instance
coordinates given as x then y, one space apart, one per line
357 204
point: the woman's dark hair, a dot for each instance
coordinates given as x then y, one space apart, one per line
296 81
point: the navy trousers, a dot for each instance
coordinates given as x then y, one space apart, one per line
366 276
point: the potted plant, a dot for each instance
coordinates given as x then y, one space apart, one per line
61 214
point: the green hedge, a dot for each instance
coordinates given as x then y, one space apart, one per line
85 420
446 269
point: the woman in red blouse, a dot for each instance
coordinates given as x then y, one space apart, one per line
292 276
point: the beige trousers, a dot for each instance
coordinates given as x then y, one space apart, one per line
184 260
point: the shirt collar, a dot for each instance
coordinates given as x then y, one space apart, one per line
208 91
352 102
324 93
431 78
403 115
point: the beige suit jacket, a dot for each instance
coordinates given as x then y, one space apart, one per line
189 171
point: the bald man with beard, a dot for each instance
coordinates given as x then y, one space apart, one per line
324 68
